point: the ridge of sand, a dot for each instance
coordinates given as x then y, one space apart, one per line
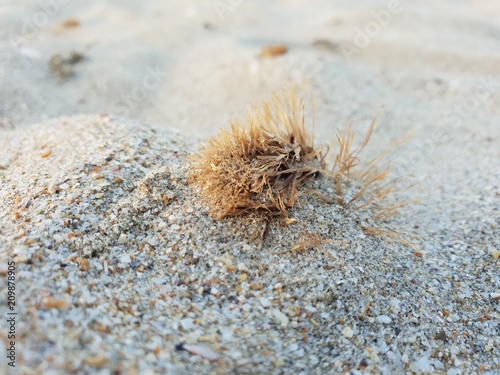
118 263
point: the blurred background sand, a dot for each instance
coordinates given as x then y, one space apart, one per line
426 57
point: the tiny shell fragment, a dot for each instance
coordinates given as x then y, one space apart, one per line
54 303
325 44
70 23
202 351
84 263
275 50
98 360
255 286
46 154
495 254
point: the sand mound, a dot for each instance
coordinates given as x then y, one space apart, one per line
118 263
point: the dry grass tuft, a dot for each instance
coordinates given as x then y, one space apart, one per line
261 164
307 241
372 178
390 235
265 162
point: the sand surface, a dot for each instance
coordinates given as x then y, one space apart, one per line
118 261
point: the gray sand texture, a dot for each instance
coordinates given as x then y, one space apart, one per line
121 270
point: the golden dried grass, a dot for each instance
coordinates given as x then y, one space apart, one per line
373 178
261 164
264 163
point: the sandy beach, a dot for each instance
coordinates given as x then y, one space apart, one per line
119 267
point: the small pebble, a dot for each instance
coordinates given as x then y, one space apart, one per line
265 302
384 319
58 238
187 324
242 267
98 360
282 318
422 365
348 332
84 263
278 362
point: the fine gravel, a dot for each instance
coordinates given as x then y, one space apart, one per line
120 269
